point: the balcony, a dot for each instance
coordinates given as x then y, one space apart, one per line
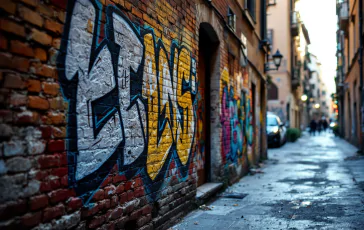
295 23
343 15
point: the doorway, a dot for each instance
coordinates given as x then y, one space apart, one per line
208 47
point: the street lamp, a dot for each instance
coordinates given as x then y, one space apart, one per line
277 59
304 97
317 105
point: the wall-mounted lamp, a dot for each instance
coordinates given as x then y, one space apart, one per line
317 105
277 59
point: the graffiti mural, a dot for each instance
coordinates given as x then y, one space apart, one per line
131 102
200 135
249 131
232 121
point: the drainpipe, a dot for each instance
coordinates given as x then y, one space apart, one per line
361 73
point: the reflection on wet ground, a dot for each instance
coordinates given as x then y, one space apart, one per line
315 183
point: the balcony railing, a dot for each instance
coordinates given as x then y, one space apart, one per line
343 14
295 23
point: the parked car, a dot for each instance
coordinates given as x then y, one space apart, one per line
276 130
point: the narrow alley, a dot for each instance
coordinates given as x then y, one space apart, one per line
314 183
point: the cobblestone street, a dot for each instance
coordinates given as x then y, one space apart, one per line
314 183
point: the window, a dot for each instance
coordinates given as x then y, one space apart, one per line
250 6
272 92
231 19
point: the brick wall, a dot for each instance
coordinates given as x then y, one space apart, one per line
98 112
89 135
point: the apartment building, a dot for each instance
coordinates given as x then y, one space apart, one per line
349 75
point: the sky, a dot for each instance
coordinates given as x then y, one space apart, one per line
319 17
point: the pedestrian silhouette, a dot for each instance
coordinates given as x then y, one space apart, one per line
313 126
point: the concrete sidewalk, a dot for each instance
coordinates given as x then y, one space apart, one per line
315 183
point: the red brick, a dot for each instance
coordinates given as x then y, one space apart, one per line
45 10
86 212
99 195
38 202
59 172
57 103
130 195
41 54
97 221
36 102
21 48
3 42
53 26
12 27
74 203
53 212
13 208
60 195
136 12
139 192
55 118
104 204
30 16
106 182
116 213
31 219
64 181
123 198
61 15
118 178
13 81
147 209
17 99
20 64
44 70
50 185
49 161
59 3
6 115
34 86
26 117
46 132
50 88
119 189
41 37
31 2
8 6
56 146
5 60
128 185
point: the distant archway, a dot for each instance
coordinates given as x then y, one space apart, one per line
207 61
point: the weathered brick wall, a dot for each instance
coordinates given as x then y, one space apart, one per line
97 116
98 111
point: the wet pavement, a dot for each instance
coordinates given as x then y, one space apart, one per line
314 183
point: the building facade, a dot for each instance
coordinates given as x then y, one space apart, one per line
287 33
114 112
349 79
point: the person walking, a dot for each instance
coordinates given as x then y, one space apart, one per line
319 127
313 126
325 124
